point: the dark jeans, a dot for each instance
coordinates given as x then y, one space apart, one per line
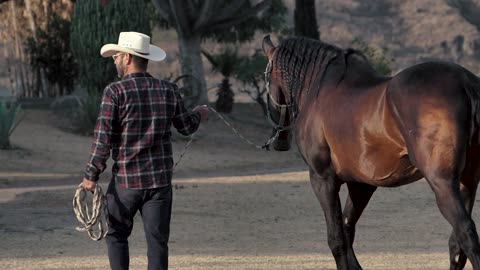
155 206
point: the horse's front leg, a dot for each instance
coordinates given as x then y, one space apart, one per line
326 187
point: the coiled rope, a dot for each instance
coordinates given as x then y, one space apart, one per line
89 218
99 211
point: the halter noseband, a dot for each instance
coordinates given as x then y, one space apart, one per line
283 108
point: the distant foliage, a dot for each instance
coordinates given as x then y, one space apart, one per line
251 68
10 116
379 57
51 52
95 23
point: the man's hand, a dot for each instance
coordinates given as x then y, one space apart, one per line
88 185
203 110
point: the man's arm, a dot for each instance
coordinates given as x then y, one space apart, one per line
102 143
187 122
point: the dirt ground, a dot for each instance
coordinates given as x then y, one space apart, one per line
235 207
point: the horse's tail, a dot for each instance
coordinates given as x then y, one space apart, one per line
472 89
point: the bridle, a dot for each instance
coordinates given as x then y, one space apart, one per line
280 126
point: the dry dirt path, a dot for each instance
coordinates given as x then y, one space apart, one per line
263 221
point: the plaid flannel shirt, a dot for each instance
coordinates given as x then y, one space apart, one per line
134 123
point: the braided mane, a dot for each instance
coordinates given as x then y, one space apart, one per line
301 58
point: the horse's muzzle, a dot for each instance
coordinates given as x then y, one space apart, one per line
281 145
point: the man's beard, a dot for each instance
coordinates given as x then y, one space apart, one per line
120 68
120 71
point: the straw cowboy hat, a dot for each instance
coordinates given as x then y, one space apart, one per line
134 43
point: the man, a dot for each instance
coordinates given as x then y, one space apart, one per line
134 123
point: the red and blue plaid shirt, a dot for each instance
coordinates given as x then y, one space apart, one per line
134 123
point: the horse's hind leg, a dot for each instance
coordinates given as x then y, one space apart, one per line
468 189
359 195
326 186
458 259
437 142
452 207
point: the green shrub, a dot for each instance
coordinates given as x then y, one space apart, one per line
379 58
250 72
11 115
85 117
51 52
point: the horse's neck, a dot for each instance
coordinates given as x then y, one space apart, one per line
356 73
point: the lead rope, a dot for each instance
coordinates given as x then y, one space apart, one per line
99 213
264 146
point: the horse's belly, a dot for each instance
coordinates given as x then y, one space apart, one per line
384 172
398 178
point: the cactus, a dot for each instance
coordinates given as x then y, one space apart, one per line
98 22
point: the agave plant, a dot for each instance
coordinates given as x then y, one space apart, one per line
224 63
11 114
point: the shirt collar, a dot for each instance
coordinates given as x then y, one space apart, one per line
136 75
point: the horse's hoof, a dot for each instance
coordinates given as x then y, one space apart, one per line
458 262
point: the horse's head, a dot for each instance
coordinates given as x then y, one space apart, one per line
279 110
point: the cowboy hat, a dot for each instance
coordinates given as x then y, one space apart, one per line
134 43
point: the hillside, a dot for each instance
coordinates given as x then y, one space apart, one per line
413 30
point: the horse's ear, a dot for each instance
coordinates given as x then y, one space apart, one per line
268 47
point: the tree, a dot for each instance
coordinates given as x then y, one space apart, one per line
33 26
20 20
305 19
232 20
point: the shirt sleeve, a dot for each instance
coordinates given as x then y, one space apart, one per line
103 134
184 121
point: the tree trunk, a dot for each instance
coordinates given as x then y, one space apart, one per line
225 95
8 62
191 64
31 19
305 18
19 68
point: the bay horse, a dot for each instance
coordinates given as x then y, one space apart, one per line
353 126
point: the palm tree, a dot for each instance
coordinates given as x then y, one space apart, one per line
225 63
